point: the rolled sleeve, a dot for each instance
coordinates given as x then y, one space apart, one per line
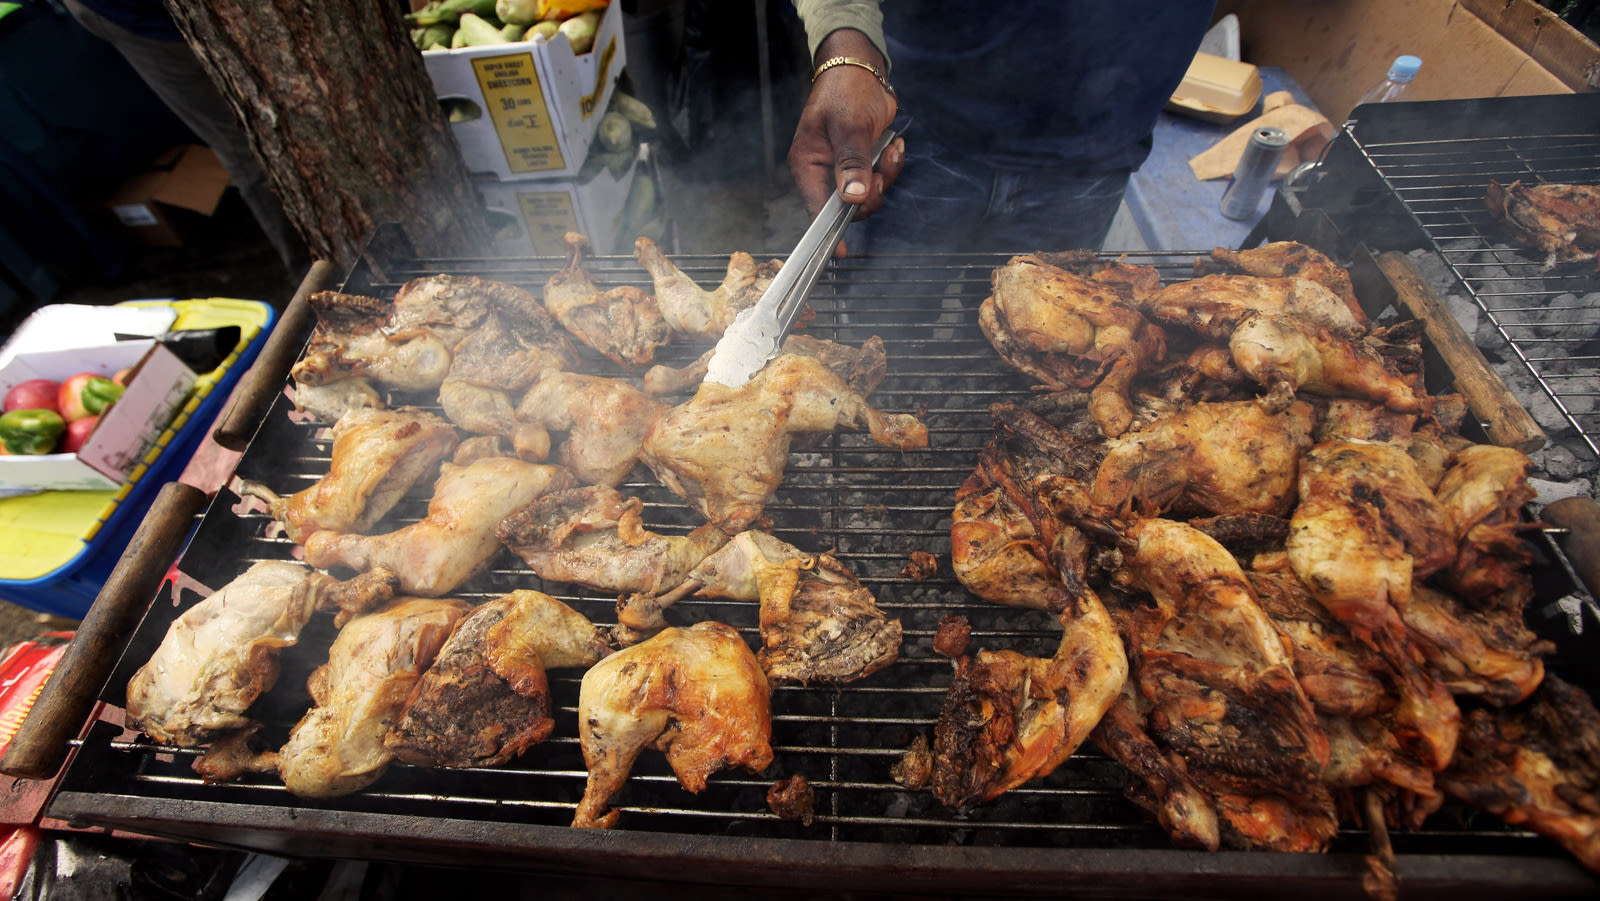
824 17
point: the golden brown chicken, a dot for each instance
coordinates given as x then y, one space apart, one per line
1070 331
691 310
496 363
623 323
1484 493
1538 765
351 340
221 654
332 400
456 540
1008 718
486 699
1230 457
1222 691
1284 356
862 368
696 694
1366 527
1214 305
338 747
1563 221
1285 259
1489 654
594 536
377 456
818 622
725 450
605 421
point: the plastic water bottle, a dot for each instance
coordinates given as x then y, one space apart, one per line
1394 85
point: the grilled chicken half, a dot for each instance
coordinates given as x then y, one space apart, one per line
691 310
222 653
696 694
456 540
377 456
486 698
725 449
623 323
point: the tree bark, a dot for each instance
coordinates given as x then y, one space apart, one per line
343 118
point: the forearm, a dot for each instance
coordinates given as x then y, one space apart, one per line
844 28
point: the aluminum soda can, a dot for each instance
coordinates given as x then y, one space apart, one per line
1254 172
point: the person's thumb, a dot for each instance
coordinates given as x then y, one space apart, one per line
853 170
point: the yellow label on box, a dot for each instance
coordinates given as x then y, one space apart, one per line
549 216
516 105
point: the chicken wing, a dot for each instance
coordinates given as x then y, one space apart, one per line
377 456
623 323
689 309
222 653
605 421
725 449
456 540
696 694
818 623
594 536
1285 259
1070 331
466 711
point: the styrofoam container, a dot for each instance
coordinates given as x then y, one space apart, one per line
539 103
160 385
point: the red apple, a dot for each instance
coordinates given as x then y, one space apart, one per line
34 394
78 434
69 403
122 375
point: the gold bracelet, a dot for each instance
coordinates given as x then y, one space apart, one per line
852 61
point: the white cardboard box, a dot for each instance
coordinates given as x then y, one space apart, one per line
532 217
540 103
122 440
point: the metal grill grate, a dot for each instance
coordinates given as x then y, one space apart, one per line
1547 316
872 506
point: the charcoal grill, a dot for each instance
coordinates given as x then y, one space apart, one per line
1413 175
1070 834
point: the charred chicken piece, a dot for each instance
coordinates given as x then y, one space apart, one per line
689 309
1489 654
377 456
623 323
1069 331
605 421
1161 783
486 699
1536 764
1285 355
1484 493
456 540
1366 527
594 536
1214 305
1562 221
351 340
222 653
725 449
1008 718
1209 457
861 368
696 694
1222 692
818 623
1285 259
338 746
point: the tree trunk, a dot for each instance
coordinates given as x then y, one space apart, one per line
342 116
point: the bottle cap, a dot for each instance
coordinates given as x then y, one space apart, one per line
1404 68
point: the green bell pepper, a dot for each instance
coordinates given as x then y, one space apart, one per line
99 393
31 431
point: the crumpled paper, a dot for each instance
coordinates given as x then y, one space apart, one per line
1309 131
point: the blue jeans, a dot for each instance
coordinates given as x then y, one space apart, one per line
942 204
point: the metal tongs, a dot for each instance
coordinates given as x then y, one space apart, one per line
756 334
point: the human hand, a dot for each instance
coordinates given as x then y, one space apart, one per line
844 115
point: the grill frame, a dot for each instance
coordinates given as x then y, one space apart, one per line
726 835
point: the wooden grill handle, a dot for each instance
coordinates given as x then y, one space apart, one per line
1580 517
69 695
1507 422
264 381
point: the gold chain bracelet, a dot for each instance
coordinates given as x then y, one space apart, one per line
852 61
